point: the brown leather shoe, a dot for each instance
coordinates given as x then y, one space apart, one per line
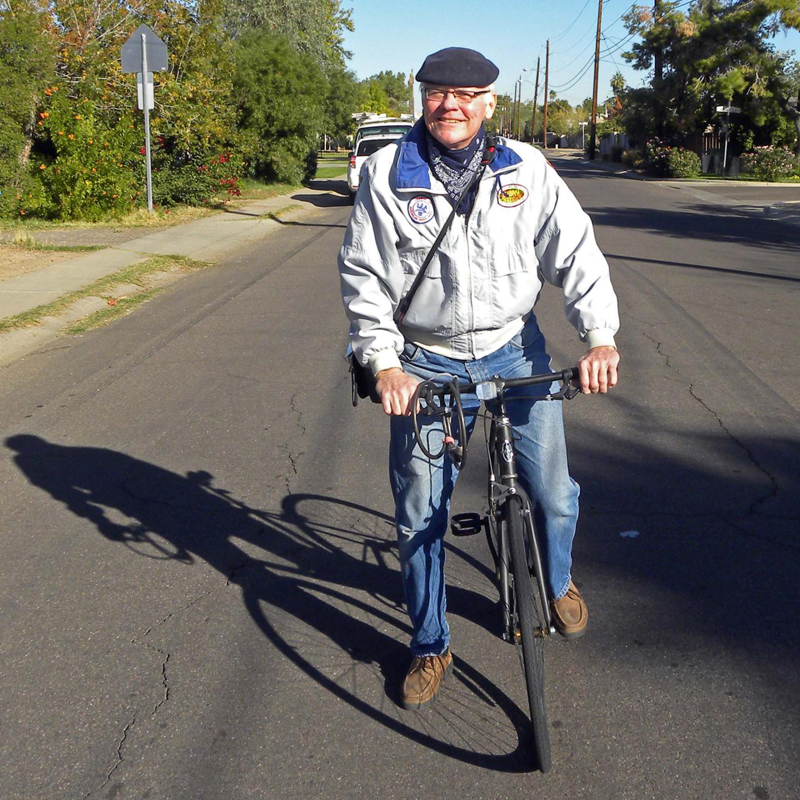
424 678
570 614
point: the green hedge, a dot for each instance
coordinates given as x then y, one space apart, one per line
770 163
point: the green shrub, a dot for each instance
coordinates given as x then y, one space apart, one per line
92 170
682 163
27 65
633 158
670 162
280 97
192 181
311 164
769 163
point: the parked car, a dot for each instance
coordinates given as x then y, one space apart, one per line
364 148
382 127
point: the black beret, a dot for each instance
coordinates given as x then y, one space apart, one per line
458 66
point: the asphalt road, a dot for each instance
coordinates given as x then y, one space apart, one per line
199 591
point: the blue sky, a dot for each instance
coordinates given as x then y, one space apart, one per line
396 36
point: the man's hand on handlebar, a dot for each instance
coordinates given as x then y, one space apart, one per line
396 389
598 370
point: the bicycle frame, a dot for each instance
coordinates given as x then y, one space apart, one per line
502 460
501 487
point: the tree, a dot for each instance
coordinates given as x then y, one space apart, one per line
87 156
280 98
561 117
312 27
341 100
27 66
716 51
395 87
373 98
618 84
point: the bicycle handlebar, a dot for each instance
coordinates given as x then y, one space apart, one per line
429 399
564 377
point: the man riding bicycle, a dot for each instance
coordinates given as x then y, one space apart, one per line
471 317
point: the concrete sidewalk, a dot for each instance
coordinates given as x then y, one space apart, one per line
206 239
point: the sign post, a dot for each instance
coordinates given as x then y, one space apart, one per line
729 109
144 53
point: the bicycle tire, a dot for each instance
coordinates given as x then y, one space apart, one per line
529 625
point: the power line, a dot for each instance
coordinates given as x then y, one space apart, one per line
570 27
612 54
608 51
577 42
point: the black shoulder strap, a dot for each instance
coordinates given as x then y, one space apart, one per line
489 151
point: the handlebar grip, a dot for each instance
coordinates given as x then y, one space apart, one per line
570 374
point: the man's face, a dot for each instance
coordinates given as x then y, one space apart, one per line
453 121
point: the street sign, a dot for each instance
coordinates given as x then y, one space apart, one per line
139 91
729 109
132 56
144 53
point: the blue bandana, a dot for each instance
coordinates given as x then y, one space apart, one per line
457 168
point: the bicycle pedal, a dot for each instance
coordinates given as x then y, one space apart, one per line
467 524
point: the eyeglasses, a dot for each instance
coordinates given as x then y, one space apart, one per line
461 96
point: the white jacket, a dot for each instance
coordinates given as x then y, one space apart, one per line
525 227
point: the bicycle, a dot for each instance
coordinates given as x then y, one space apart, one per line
508 524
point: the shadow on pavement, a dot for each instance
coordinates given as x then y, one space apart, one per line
703 222
334 193
319 578
727 270
711 569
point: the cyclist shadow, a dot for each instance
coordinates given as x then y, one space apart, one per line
319 578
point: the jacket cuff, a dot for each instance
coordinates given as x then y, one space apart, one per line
600 337
384 359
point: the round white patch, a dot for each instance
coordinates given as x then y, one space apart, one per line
420 209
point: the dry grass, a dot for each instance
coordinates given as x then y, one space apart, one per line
139 275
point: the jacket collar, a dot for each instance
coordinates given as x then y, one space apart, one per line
412 170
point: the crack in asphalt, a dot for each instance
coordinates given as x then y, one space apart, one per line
664 355
119 760
773 492
293 457
165 656
760 500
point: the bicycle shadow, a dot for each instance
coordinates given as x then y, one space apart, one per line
318 577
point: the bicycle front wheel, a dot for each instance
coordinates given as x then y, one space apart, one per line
528 628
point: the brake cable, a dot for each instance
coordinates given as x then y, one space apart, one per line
430 403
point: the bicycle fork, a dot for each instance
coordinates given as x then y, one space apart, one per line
503 486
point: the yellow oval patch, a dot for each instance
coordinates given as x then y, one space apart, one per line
512 195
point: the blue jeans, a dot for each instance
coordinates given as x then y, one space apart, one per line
422 488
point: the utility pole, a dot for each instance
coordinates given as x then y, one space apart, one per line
535 100
546 93
515 111
658 74
411 93
593 133
658 64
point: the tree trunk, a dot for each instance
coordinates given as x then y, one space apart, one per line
29 130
